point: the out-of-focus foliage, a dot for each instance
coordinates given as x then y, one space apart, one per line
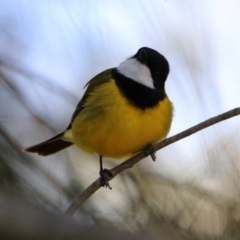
49 50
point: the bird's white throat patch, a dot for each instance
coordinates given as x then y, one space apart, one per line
137 71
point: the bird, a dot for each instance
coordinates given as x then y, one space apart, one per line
124 110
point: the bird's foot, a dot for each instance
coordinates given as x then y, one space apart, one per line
105 174
149 150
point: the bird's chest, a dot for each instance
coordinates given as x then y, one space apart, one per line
116 128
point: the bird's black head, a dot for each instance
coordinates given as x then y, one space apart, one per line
141 78
156 63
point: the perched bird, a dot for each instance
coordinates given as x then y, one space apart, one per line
123 110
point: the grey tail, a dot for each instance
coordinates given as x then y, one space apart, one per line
50 146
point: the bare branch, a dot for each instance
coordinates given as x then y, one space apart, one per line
81 198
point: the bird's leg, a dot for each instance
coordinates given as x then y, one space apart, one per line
104 174
149 150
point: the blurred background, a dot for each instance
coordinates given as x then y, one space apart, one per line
50 49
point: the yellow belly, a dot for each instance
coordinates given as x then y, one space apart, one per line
110 126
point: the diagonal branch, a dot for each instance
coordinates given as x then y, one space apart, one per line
81 198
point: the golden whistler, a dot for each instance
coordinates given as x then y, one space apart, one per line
123 110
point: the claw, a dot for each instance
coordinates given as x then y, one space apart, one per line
149 150
105 174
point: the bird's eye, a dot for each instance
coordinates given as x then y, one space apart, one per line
157 72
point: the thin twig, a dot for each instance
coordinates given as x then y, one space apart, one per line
81 198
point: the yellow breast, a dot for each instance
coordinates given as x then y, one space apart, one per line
110 126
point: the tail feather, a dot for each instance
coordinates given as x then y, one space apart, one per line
50 146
